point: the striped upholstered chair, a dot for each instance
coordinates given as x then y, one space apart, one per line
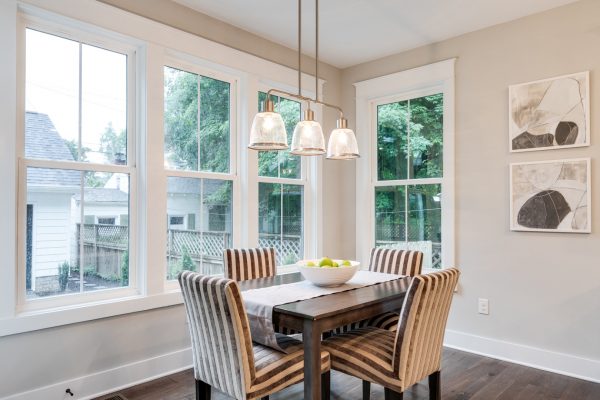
389 261
223 352
243 264
398 360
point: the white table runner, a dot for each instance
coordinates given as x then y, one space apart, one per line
259 303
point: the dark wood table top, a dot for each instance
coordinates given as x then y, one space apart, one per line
318 307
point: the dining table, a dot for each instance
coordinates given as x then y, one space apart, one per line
316 316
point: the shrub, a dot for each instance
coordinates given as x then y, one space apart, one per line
187 264
125 269
63 275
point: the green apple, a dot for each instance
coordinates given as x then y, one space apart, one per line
326 262
346 263
335 264
311 264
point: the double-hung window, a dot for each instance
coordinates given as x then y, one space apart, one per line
199 158
281 191
409 165
77 169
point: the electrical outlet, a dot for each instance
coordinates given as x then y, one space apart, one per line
483 306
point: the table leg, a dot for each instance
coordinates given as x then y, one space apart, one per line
311 337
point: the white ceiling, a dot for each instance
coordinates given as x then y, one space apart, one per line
356 31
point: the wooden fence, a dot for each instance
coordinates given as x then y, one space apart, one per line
105 245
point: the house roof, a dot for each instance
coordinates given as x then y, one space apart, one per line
101 195
178 185
43 141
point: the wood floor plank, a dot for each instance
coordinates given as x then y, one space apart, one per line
465 376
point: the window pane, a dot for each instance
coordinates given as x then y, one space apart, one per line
53 231
282 164
105 242
214 125
417 228
103 106
54 100
426 136
199 213
425 221
392 141
52 97
390 215
280 218
197 122
181 119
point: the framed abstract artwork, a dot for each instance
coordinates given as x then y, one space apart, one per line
551 196
550 114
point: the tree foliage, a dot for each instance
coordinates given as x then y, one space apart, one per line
196 138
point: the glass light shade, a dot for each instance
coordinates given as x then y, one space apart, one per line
342 145
268 132
308 139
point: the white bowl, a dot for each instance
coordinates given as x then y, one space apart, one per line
328 277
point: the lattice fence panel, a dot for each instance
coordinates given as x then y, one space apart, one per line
287 247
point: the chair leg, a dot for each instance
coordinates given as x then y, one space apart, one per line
326 385
391 395
202 390
366 390
435 388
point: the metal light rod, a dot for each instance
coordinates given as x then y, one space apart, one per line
297 96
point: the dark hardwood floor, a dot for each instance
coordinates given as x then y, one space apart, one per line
464 376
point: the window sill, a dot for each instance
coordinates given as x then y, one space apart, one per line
49 318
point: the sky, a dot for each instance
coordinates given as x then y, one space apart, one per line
52 87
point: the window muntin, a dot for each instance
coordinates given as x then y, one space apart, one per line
76 169
280 220
197 114
408 186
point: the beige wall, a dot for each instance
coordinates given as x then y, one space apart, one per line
544 289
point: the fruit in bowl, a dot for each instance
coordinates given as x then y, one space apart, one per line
328 272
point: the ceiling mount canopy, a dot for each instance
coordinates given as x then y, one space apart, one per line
268 129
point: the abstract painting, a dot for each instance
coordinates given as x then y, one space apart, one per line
549 114
551 196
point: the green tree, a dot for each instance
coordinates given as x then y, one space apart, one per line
113 144
196 138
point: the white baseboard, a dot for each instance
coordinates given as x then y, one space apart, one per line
560 363
112 380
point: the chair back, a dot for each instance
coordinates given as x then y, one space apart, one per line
243 264
394 261
420 335
221 342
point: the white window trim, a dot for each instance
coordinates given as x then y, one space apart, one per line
154 43
437 77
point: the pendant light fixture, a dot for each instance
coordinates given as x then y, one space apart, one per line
268 129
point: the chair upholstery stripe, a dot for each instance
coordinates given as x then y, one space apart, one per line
243 264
